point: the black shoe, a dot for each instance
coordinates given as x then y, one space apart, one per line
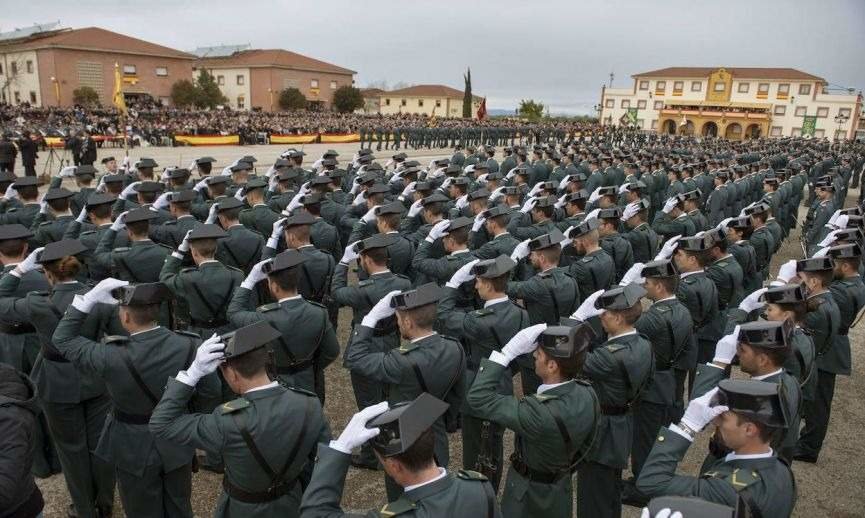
359 461
801 456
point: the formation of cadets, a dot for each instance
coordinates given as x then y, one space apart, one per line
620 276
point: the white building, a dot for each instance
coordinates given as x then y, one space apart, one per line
735 103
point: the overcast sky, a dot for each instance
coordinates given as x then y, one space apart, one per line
558 52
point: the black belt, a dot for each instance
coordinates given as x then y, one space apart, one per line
257 497
294 368
209 324
123 417
52 355
17 329
543 477
614 410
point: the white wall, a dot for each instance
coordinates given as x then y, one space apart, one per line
22 82
232 90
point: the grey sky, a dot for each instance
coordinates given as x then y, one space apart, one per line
559 52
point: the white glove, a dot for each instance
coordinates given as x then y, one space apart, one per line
239 194
395 177
464 274
593 214
462 202
521 251
623 188
699 413
212 214
821 253
447 183
631 210
561 202
129 189
482 179
595 196
100 293
184 245
752 301
119 223
829 240
356 433
164 176
536 189
587 309
479 222
840 223
723 224
633 275
207 358
29 263
82 216
668 248
275 233
528 205
295 202
725 349
162 201
255 275
834 217
67 172
10 193
409 190
511 173
564 183
438 230
497 193
380 311
670 205
787 271
350 254
43 207
663 513
359 199
370 215
524 342
415 208
355 185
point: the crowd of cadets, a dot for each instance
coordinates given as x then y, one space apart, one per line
620 275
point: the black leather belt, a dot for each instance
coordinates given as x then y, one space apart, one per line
123 417
258 497
294 368
52 355
614 410
542 477
208 324
17 329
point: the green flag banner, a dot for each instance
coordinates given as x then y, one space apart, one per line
809 125
632 115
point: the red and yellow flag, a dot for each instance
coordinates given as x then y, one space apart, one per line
118 99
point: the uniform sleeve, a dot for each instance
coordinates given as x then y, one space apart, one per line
708 377
171 422
73 230
520 415
340 291
529 290
12 309
424 264
240 311
103 254
83 352
386 367
451 321
328 350
170 275
324 493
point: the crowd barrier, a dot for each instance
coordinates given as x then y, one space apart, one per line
310 138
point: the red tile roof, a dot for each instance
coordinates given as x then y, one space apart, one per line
738 72
94 38
274 58
429 91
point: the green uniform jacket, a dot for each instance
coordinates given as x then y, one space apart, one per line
19 343
769 483
502 244
728 278
539 442
699 294
263 412
593 271
802 364
468 494
764 246
746 256
849 295
206 290
308 343
822 324
619 249
644 242
668 325
156 355
620 371
441 269
171 233
23 214
316 272
90 236
50 231
140 262
547 296
259 218
241 249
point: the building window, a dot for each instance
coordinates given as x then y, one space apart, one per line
626 103
796 132
655 124
762 90
640 123
610 103
780 109
678 85
644 85
241 102
387 102
719 86
783 90
161 71
129 70
660 86
333 85
17 97
775 131
696 86
32 97
819 133
804 89
30 68
438 103
822 112
13 69
1 69
313 83
420 103
241 80
844 112
801 111
744 87
402 102
220 80
641 104
659 105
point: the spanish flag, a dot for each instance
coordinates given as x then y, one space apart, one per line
118 100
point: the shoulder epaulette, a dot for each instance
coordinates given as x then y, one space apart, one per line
114 339
189 269
188 333
739 478
407 348
319 304
466 474
365 282
13 209
587 259
40 293
268 307
543 398
45 223
302 391
234 405
163 245
171 222
614 348
232 268
87 232
122 249
484 312
400 506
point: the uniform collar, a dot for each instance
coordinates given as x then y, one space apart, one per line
424 337
145 331
687 274
442 474
495 301
764 376
627 333
288 299
543 387
270 385
732 456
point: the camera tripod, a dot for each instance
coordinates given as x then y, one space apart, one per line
54 157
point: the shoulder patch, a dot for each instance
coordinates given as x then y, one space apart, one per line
13 209
268 307
234 405
114 339
40 293
466 474
122 249
400 506
663 308
543 398
302 391
587 259
188 333
407 348
171 222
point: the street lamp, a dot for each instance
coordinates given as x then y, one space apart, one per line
270 91
840 119
56 90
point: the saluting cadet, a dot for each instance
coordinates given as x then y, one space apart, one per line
98 211
315 274
153 475
592 268
616 246
761 238
541 211
494 221
373 256
725 272
673 220
716 203
738 230
454 235
53 218
172 232
241 248
644 240
23 212
692 208
429 362
747 413
264 452
142 260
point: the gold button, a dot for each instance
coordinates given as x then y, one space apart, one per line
660 438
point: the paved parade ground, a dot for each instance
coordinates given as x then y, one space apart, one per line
831 488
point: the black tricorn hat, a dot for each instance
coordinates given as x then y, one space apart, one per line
100 199
14 231
663 268
249 338
766 334
611 213
695 243
182 196
390 208
228 203
57 193
60 249
404 423
565 342
815 264
423 295
847 250
283 261
740 223
207 231
553 238
755 400
620 297
498 210
136 215
584 228
785 294
491 268
373 242
149 186
144 294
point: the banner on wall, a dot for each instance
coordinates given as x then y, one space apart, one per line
339 138
293 139
207 140
809 125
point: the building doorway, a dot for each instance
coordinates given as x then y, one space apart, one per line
753 131
710 129
733 131
669 127
687 128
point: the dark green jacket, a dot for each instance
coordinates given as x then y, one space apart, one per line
242 248
668 326
547 296
849 295
140 262
206 290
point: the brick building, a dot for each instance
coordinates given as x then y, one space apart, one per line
254 78
44 67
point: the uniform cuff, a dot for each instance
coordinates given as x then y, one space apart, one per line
186 379
81 304
676 429
501 359
335 445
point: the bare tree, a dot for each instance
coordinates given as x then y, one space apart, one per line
12 70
